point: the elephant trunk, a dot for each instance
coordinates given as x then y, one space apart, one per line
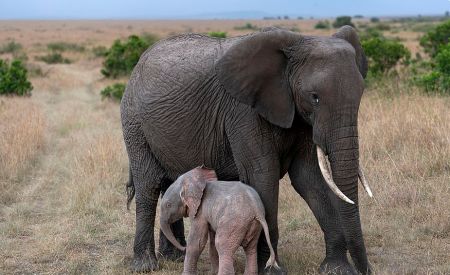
344 163
165 228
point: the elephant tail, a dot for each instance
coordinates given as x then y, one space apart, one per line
130 190
272 262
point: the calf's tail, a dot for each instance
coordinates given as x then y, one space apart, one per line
272 262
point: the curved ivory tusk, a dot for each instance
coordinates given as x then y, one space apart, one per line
364 182
326 173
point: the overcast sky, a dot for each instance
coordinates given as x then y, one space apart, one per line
173 9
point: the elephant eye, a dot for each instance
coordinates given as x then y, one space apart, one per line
314 98
168 205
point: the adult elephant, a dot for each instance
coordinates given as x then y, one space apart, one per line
253 108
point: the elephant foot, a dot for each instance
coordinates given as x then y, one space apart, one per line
145 263
337 267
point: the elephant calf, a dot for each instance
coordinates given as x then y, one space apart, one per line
230 212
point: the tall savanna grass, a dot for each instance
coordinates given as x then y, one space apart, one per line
22 136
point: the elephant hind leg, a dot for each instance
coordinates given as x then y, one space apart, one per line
213 255
251 261
147 176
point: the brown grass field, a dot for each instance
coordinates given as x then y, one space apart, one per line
63 165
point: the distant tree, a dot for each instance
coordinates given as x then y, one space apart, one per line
300 18
374 19
342 21
124 55
286 17
436 38
384 54
447 14
358 16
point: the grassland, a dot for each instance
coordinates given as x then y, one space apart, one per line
63 164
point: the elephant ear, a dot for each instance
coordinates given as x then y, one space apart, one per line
349 34
193 185
254 72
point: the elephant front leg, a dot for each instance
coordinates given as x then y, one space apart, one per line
268 191
198 236
308 181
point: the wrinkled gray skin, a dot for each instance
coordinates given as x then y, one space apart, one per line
229 212
253 108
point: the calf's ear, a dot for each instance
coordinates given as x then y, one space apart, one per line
193 186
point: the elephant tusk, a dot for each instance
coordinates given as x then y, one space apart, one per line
364 182
326 173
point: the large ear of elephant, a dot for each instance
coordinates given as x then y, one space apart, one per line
349 34
254 72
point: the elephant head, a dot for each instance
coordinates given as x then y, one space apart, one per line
183 199
319 81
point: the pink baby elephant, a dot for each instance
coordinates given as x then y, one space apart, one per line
230 212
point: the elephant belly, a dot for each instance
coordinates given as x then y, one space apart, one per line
184 137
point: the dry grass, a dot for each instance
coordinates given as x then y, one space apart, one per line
63 207
22 134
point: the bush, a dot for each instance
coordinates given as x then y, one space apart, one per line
342 21
14 79
100 51
10 47
64 46
384 54
374 19
322 25
383 27
218 34
433 40
53 58
369 33
247 26
123 56
438 80
114 92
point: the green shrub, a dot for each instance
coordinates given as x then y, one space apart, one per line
10 47
100 51
64 46
342 21
218 34
53 58
374 19
371 32
322 25
14 79
123 56
114 92
384 54
438 80
247 26
149 38
383 27
433 40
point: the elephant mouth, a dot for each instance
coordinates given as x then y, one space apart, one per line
325 168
